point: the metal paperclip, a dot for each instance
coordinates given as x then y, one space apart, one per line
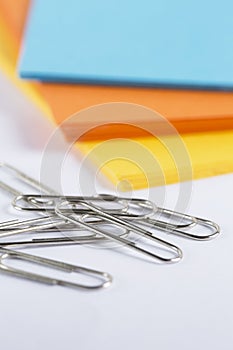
43 189
79 219
47 203
104 277
47 190
54 223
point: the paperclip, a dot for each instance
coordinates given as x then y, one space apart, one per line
213 229
105 277
42 188
78 219
10 228
49 226
140 202
45 190
47 203
7 253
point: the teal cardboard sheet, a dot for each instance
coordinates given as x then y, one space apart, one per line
173 43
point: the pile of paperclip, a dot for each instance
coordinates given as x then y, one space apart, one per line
132 223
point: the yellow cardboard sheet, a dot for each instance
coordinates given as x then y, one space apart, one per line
146 162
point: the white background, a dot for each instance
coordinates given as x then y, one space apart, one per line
188 305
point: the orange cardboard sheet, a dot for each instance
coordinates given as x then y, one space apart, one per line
189 111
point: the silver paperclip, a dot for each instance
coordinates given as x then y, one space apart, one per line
51 223
104 277
141 203
14 226
65 208
145 208
88 205
47 203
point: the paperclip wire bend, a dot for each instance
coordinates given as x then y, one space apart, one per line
170 229
119 222
104 277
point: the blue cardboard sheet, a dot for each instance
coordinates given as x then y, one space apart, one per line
173 43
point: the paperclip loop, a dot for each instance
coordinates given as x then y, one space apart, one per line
104 277
212 230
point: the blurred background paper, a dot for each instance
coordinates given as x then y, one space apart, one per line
14 12
210 152
8 59
188 111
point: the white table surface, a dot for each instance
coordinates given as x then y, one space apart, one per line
182 306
